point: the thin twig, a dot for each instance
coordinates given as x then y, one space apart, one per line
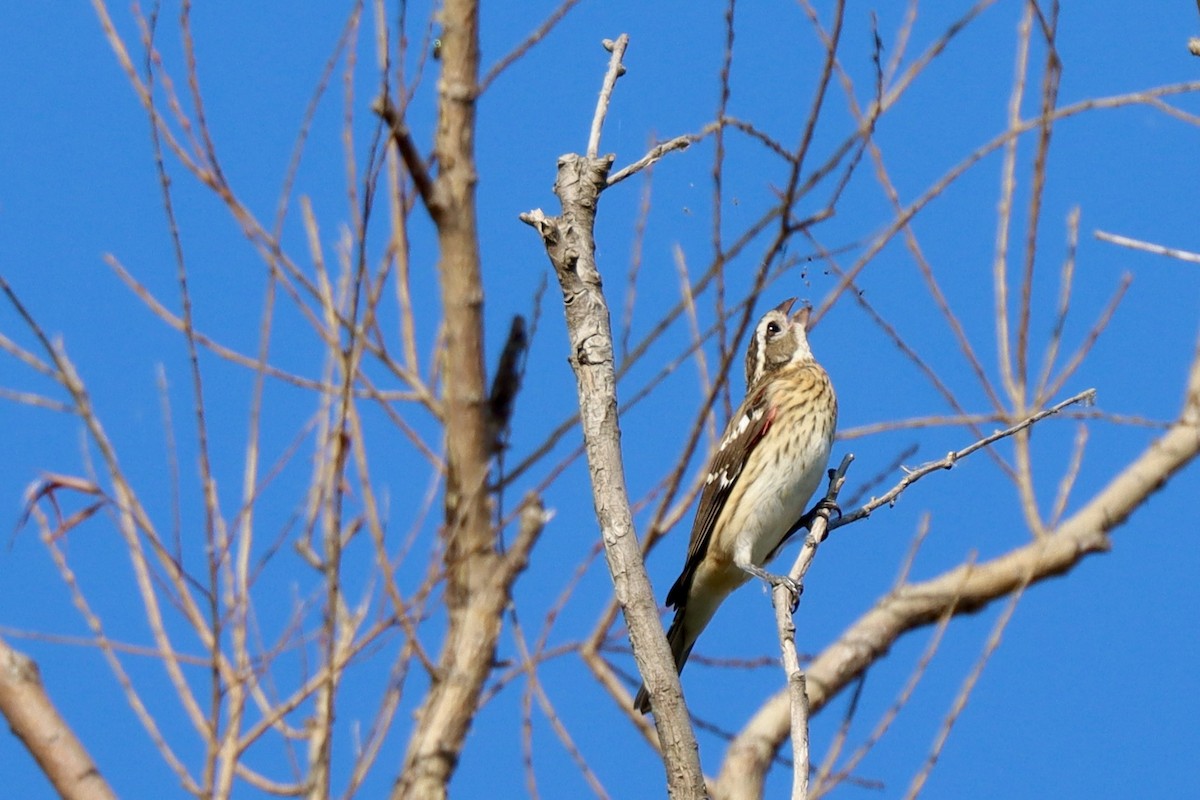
615 70
1148 247
1089 340
782 598
1088 397
635 262
525 46
1065 282
685 284
655 153
839 739
960 701
402 136
718 174
889 716
1068 479
1004 216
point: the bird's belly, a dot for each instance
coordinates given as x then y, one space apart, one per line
780 499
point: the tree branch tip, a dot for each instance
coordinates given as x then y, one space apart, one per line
546 227
535 511
843 467
611 44
1194 45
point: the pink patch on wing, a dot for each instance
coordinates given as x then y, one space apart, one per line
766 426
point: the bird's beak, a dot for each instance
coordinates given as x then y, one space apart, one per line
785 306
801 316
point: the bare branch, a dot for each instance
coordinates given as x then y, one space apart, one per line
655 153
402 136
478 578
1149 247
826 782
1004 210
615 70
914 475
781 598
34 720
571 247
960 700
570 244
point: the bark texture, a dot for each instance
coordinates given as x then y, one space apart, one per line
570 243
36 722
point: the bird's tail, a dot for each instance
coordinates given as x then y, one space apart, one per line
681 648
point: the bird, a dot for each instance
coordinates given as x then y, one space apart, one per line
769 461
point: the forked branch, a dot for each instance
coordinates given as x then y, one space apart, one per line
570 243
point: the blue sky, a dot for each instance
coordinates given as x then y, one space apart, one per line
1091 691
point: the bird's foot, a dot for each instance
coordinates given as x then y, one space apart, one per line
825 507
795 588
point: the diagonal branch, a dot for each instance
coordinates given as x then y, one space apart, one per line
953 457
402 136
33 719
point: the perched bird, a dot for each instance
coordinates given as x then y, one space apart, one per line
771 459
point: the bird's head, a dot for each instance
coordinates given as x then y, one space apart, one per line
778 340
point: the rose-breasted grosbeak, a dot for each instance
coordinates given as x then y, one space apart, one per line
767 466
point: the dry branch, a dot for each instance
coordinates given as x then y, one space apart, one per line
1149 247
571 247
570 243
402 137
479 578
786 626
950 459
33 719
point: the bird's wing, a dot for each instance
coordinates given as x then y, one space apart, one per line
745 430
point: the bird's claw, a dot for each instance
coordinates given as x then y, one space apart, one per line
795 589
825 507
830 505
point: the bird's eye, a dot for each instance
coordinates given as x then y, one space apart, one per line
773 329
